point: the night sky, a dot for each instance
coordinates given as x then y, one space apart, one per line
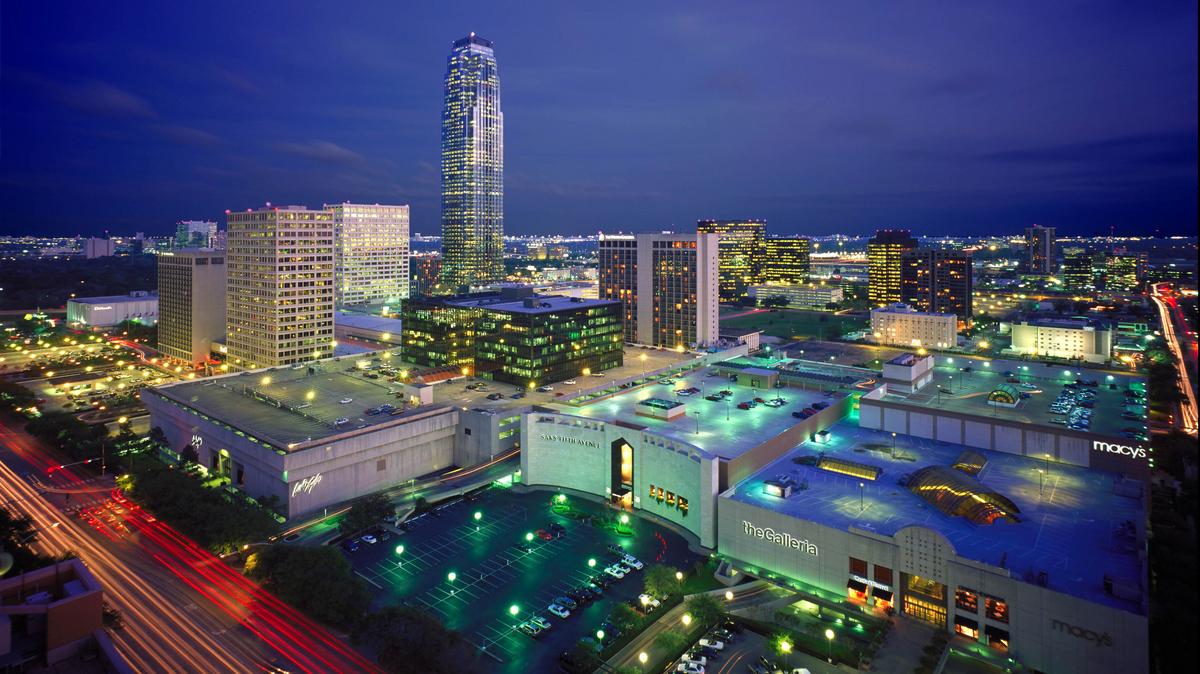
823 117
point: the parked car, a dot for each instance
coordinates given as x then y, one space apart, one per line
566 602
712 642
350 545
368 538
345 401
569 382
614 571
495 396
559 611
544 535
545 389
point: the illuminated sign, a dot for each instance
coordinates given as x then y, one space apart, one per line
779 538
197 442
873 583
1123 450
1081 633
306 485
107 307
569 440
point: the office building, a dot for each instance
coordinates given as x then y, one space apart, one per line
191 303
1080 339
786 261
50 615
472 166
425 272
884 253
938 281
279 288
94 247
799 296
546 251
739 254
901 325
513 335
667 283
139 306
1124 272
1082 271
371 254
1040 252
195 234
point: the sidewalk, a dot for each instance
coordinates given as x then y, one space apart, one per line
901 651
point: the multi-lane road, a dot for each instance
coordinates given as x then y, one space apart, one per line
1181 339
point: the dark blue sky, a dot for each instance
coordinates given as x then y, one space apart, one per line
822 117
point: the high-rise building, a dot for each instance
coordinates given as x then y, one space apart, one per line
472 166
668 284
94 248
371 254
279 288
1040 250
740 251
1082 270
1124 272
191 303
425 271
938 281
785 261
195 234
884 253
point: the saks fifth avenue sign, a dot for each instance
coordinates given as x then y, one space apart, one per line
306 485
1123 450
779 538
566 439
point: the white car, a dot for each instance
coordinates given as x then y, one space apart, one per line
632 562
569 382
689 668
345 401
559 611
370 539
615 571
715 644
597 374
545 389
696 660
648 601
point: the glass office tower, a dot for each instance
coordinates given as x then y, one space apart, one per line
739 254
884 251
472 166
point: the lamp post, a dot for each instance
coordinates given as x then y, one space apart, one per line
785 647
829 640
1041 483
643 359
861 505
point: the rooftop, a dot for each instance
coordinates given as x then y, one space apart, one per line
367 322
1071 522
137 296
900 308
537 304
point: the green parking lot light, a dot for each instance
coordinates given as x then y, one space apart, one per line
514 610
399 549
478 515
592 562
529 536
452 576
599 635
624 519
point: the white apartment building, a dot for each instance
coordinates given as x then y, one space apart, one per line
279 297
668 283
138 306
191 303
1070 338
901 325
800 296
371 253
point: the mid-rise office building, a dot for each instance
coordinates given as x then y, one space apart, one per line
195 234
1040 251
1124 272
94 247
279 296
885 251
739 254
191 303
1082 271
800 295
472 166
139 306
938 281
668 284
546 251
901 325
371 254
1067 338
786 261
425 272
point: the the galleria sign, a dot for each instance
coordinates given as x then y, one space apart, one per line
306 485
566 439
1123 450
1081 633
779 538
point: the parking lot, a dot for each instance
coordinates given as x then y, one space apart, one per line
481 567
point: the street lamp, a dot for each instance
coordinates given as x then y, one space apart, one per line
592 562
785 647
514 610
679 576
687 619
829 640
642 658
861 487
643 359
728 595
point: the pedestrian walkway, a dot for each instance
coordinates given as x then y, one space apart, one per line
901 651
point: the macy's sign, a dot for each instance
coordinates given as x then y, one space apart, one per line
1123 450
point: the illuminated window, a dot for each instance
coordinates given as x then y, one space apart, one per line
995 609
966 600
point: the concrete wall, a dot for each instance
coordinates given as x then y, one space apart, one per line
737 469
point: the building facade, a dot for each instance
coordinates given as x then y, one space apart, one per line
1068 338
1124 272
195 234
94 248
1040 250
191 303
1082 270
938 281
371 254
425 272
739 254
800 296
885 251
279 286
617 277
901 325
786 261
472 166
104 312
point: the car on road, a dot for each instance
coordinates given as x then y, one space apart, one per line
545 389
341 421
518 395
495 396
345 401
369 539
559 611
569 382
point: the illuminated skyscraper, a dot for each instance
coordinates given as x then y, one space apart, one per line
279 290
938 281
785 261
884 252
1123 272
372 254
472 166
740 252
1040 252
191 303
1082 270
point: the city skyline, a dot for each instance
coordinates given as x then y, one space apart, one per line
1089 126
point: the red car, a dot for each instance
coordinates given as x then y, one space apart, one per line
544 535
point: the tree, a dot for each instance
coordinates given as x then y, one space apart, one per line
624 617
705 609
317 580
660 580
16 535
366 512
775 301
13 395
410 640
672 642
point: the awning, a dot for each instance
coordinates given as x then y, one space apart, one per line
883 595
856 586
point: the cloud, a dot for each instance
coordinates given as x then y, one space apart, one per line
322 150
100 98
958 84
186 135
1162 149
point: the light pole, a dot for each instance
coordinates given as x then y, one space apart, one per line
861 505
643 359
785 647
1041 483
829 640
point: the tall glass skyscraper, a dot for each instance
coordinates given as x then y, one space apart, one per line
472 166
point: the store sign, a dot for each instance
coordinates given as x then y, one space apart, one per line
566 439
1115 448
1081 633
779 538
873 583
306 485
197 442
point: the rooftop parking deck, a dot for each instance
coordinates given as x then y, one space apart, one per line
1072 521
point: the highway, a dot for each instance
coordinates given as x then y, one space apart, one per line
184 610
1182 344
